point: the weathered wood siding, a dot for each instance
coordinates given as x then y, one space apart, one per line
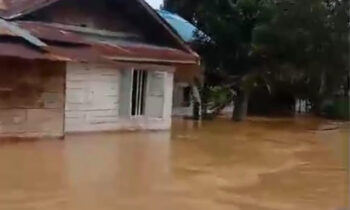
31 98
93 101
92 97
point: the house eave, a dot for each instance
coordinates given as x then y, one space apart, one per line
150 60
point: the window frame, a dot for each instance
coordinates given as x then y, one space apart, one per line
140 94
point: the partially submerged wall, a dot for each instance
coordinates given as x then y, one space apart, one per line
94 100
31 98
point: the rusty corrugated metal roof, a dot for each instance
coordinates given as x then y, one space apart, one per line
61 44
54 53
49 32
18 42
14 8
78 54
144 53
11 9
21 50
122 50
161 53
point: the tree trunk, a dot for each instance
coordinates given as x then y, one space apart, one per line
196 103
205 96
317 108
241 106
347 87
196 111
322 83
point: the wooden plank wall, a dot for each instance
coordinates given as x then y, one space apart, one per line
31 98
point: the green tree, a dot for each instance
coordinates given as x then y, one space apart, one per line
311 39
300 45
230 51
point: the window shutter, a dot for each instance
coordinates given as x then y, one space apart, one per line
155 95
125 93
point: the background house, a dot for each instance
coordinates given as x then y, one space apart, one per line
87 65
183 90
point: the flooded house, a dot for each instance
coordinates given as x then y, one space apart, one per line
87 65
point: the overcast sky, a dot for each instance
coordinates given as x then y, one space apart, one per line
155 3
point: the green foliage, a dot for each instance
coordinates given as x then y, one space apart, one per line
338 108
218 96
302 45
230 25
311 38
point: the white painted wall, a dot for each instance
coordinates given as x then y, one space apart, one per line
92 101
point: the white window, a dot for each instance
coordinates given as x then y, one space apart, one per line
142 94
155 94
139 81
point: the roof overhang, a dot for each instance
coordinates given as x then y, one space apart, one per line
35 40
12 9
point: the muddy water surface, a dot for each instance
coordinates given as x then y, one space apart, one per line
261 164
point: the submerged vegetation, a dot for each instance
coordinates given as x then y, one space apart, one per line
281 51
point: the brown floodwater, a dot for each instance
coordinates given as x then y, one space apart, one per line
260 164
